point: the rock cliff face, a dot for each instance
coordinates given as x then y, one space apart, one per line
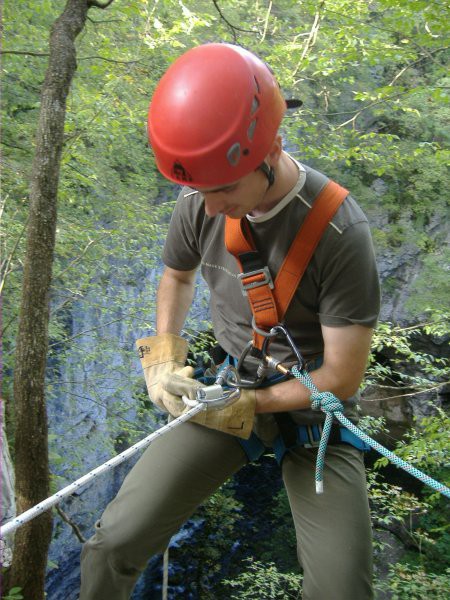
80 423
407 286
405 248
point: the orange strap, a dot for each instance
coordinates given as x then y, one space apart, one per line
270 305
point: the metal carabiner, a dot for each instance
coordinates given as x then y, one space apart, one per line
260 374
215 397
232 377
268 361
272 362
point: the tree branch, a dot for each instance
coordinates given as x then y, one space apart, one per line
43 54
131 313
419 325
431 389
399 530
91 20
65 517
119 62
15 147
312 37
25 52
375 103
233 28
2 206
429 55
5 265
266 21
80 256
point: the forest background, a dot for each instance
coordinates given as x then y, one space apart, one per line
373 78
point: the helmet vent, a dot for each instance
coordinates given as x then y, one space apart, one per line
251 130
258 89
234 154
255 105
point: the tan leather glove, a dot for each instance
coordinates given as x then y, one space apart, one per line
160 354
236 419
174 386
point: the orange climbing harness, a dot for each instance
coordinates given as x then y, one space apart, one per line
269 300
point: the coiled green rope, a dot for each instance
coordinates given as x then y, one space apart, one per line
332 407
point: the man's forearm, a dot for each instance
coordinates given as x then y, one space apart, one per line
292 395
175 294
346 350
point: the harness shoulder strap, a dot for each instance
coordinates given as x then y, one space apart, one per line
269 301
255 278
308 237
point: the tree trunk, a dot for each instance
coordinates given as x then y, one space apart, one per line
31 449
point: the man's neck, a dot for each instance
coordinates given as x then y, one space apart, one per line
286 176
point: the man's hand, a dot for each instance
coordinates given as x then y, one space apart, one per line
176 385
160 354
235 419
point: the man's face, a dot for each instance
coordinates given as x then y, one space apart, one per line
237 199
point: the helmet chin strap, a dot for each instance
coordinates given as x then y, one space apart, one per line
268 172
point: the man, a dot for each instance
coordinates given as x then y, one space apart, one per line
213 125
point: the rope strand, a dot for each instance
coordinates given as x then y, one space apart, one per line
325 401
333 407
45 505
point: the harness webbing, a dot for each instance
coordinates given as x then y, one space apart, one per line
270 305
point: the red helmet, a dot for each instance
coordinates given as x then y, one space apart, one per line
214 115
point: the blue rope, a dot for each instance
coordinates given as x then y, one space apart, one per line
332 407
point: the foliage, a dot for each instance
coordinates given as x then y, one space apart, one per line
375 90
14 593
431 287
200 559
390 502
424 517
427 445
405 363
281 546
407 583
263 580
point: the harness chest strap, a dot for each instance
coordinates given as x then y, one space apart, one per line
269 302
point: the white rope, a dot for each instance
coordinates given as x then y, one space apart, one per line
107 466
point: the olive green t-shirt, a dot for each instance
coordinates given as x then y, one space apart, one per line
340 286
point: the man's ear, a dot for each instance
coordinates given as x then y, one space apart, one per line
274 154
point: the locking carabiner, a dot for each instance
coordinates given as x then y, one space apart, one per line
273 363
266 361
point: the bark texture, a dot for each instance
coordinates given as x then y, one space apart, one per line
31 448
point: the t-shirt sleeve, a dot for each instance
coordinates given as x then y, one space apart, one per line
181 249
349 287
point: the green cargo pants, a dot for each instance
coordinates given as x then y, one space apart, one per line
185 466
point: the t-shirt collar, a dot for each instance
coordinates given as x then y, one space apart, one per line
284 201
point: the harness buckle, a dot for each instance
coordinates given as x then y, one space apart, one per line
265 280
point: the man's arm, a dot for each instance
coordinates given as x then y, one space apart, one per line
346 350
175 295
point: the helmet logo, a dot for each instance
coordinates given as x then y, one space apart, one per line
180 173
234 154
